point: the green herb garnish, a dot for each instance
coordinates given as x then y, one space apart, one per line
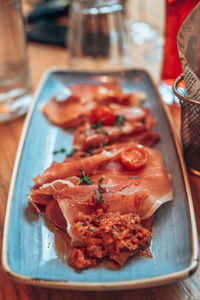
101 130
71 153
55 152
85 179
99 197
62 150
91 150
133 177
87 132
120 121
100 191
102 145
100 180
99 127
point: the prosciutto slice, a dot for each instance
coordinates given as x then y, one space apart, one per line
72 167
84 97
137 128
39 197
139 191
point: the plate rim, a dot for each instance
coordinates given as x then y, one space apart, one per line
92 286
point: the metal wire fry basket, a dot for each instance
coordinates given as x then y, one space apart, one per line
190 127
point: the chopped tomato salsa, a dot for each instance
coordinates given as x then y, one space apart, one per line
113 236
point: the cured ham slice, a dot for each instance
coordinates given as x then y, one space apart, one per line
77 199
72 167
137 128
54 213
140 191
39 197
67 114
84 97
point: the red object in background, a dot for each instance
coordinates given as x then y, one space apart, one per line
176 13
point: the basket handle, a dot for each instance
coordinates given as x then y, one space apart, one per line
179 95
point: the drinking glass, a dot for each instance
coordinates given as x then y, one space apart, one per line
97 36
14 76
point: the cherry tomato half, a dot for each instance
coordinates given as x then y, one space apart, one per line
134 156
104 114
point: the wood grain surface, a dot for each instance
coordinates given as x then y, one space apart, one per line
42 57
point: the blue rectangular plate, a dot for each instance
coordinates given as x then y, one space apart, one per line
35 253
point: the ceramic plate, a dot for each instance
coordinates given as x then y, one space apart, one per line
35 253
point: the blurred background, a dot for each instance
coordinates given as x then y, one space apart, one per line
47 22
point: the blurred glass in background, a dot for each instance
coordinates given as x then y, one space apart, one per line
145 22
103 34
14 74
97 36
113 34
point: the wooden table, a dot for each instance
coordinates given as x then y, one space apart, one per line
42 57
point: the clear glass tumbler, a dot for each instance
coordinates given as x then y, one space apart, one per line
14 75
97 35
